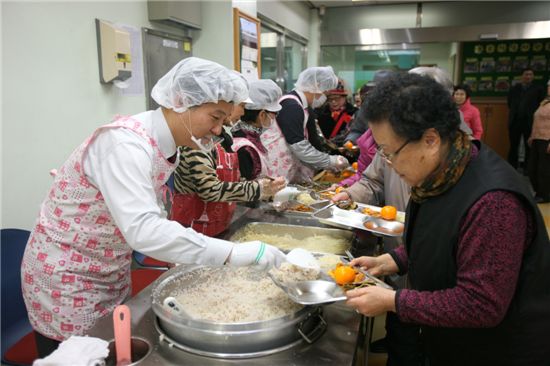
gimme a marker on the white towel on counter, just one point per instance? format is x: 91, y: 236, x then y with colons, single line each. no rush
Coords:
x: 77, y: 351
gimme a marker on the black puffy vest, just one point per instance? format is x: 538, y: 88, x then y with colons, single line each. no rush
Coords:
x: 431, y: 237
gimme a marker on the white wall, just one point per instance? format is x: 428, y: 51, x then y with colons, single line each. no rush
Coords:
x: 314, y: 44
x: 52, y: 98
x: 436, y: 54
x: 293, y: 15
x: 51, y: 95
x: 215, y: 40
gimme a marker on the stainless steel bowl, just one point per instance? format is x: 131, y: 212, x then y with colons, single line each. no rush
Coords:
x: 228, y: 340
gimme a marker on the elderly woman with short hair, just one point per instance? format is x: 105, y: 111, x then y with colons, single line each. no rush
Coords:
x: 476, y: 249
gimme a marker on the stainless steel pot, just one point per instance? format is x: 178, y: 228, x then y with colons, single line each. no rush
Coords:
x: 228, y: 340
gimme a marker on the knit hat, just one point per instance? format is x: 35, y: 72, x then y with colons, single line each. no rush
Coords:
x: 339, y: 90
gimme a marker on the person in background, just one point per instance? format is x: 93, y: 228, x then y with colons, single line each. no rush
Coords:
x: 292, y: 143
x: 336, y: 115
x: 208, y: 184
x: 476, y: 249
x: 359, y: 126
x: 523, y: 100
x: 461, y: 95
x: 539, y: 161
x: 367, y: 151
x: 357, y: 99
x: 105, y: 202
x: 259, y: 115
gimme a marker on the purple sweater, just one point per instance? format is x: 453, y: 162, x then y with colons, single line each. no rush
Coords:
x: 493, y: 236
x: 367, y: 149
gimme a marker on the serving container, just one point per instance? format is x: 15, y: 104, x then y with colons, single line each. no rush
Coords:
x: 228, y: 340
x: 354, y: 219
x: 297, y: 232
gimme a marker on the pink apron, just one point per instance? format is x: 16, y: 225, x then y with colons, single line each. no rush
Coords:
x: 240, y: 142
x: 76, y: 266
x: 281, y: 160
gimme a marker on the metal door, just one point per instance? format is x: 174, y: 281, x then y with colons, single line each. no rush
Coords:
x: 161, y: 52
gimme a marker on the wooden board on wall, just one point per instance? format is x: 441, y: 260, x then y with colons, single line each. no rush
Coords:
x: 494, y: 117
x: 247, y: 48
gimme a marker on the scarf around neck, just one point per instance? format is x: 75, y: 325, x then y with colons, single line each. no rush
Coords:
x: 252, y: 133
x: 448, y: 173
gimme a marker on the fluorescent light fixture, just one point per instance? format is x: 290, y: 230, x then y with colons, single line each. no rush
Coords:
x: 370, y: 36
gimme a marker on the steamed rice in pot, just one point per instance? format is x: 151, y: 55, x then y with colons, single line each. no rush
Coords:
x: 238, y: 295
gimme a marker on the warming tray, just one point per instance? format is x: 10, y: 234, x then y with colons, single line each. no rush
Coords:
x: 297, y: 237
x: 354, y: 219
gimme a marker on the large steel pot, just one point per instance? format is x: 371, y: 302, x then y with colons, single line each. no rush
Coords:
x: 228, y: 340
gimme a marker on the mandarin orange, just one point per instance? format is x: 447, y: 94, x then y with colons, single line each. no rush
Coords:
x: 343, y: 275
x: 388, y: 212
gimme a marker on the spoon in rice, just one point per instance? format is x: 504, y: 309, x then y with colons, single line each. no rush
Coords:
x: 303, y: 258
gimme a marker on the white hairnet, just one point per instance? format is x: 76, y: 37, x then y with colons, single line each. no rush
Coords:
x: 195, y: 81
x: 265, y: 94
x: 317, y: 79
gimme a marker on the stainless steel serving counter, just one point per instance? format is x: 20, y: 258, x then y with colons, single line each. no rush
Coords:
x: 343, y: 343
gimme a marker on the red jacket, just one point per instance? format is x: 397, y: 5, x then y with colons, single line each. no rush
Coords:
x: 472, y: 118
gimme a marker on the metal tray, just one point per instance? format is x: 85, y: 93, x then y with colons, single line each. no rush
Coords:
x: 312, y: 292
x: 352, y: 219
x: 296, y: 232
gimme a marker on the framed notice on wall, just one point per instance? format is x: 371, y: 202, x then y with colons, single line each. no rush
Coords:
x: 246, y: 36
x: 491, y: 68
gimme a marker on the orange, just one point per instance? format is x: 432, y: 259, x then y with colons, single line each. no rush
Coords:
x: 343, y: 275
x: 346, y: 174
x: 339, y: 189
x: 355, y: 166
x: 388, y: 212
x: 348, y: 145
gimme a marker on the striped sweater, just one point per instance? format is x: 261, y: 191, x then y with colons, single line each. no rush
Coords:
x: 196, y: 173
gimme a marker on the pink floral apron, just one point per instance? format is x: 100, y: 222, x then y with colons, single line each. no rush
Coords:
x: 240, y: 142
x: 76, y: 266
x: 281, y: 160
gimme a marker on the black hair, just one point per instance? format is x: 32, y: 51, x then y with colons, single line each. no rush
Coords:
x: 412, y: 104
x: 250, y: 115
x: 466, y: 89
x: 527, y: 69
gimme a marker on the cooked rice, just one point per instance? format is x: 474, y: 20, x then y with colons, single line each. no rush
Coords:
x: 305, y: 198
x: 288, y: 272
x: 314, y: 243
x: 238, y: 295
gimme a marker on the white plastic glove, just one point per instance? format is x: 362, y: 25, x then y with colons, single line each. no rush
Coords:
x: 268, y: 187
x: 256, y: 253
x: 338, y: 162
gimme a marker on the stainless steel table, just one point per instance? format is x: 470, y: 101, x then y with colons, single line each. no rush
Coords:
x: 343, y: 343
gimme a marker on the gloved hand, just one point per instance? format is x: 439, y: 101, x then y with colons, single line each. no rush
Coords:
x: 268, y: 187
x: 338, y: 162
x: 256, y: 253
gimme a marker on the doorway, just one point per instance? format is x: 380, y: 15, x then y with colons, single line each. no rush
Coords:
x: 161, y: 52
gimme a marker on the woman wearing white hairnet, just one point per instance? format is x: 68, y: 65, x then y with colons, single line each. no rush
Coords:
x: 105, y: 202
x: 257, y: 118
x: 292, y: 143
x: 208, y: 185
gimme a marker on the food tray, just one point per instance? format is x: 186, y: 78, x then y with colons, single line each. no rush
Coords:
x: 353, y: 219
x: 312, y: 292
x: 299, y: 235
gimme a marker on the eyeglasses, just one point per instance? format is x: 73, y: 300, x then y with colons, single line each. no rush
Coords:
x: 391, y: 156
